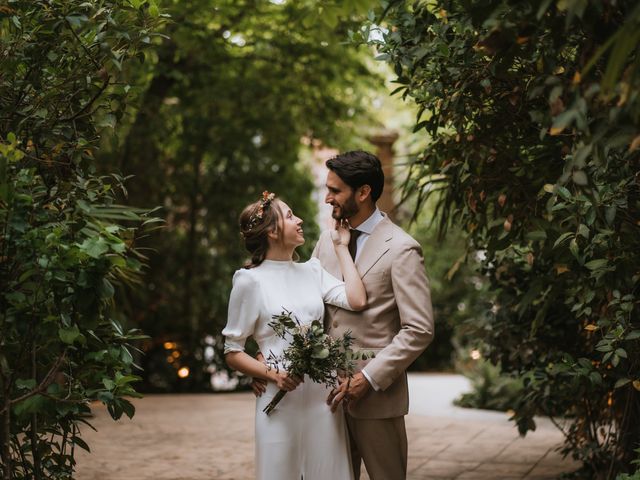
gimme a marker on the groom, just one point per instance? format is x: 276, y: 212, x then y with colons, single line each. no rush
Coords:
x: 397, y: 325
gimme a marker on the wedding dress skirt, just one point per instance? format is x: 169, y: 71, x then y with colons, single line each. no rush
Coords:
x: 301, y: 438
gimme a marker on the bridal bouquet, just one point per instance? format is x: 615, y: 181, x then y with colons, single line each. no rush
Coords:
x: 312, y: 352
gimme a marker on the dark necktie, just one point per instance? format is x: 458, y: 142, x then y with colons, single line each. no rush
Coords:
x: 353, y: 245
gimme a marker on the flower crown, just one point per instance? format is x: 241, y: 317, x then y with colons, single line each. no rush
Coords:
x: 255, y: 218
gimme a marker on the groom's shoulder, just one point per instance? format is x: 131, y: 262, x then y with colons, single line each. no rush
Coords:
x: 401, y: 239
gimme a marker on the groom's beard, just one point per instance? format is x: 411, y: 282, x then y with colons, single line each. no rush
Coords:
x: 346, y: 210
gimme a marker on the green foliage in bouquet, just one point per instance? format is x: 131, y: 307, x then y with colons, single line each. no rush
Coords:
x: 312, y: 352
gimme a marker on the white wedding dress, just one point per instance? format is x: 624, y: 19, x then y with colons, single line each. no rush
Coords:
x: 301, y: 438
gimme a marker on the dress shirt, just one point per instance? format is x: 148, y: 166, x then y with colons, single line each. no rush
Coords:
x: 366, y: 229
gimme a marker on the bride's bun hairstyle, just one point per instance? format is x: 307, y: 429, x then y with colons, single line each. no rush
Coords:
x: 257, y: 221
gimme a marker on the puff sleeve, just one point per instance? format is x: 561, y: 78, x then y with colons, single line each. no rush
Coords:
x: 244, y: 310
x: 333, y: 290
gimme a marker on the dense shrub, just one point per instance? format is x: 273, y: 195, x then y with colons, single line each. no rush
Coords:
x: 533, y: 114
x: 66, y: 246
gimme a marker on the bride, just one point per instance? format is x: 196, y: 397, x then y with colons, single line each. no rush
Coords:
x: 301, y: 438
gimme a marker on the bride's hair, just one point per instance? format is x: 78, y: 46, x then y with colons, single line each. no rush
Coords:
x: 257, y: 220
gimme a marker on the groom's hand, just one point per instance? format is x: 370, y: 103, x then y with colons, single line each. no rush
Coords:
x: 259, y: 386
x: 350, y: 390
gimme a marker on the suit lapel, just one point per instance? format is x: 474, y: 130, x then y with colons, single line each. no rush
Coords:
x: 375, y: 247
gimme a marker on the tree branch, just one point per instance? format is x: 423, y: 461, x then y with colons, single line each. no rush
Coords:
x: 46, y: 381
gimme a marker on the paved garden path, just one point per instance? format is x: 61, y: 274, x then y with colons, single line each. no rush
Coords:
x: 210, y: 437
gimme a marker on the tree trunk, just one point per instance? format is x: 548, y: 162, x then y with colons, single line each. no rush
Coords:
x: 192, y: 248
x: 138, y: 153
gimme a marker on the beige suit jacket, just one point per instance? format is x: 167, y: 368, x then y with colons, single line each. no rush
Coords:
x: 398, y: 323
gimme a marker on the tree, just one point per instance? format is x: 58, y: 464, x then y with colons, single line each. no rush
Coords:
x: 533, y: 114
x: 66, y: 245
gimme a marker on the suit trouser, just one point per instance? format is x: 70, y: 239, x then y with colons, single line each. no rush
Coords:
x: 381, y: 443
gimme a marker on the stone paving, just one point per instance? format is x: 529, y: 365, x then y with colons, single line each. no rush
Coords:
x: 210, y: 437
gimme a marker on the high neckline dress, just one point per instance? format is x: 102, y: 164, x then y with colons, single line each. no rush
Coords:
x: 301, y: 438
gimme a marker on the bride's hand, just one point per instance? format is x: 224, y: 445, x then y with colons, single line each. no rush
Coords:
x: 341, y: 234
x: 284, y: 381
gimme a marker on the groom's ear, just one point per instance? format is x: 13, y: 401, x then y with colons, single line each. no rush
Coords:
x: 363, y: 193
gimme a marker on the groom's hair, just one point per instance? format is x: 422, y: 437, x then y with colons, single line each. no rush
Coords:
x: 358, y: 168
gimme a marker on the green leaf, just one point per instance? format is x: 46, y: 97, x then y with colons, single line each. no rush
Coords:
x: 125, y: 356
x: 635, y: 334
x: 107, y: 121
x: 563, y: 238
x: 81, y: 443
x: 575, y: 250
x: 536, y: 235
x: 562, y: 121
x: 610, y: 214
x: 28, y: 384
x: 122, y: 380
x: 154, y: 11
x: 583, y: 231
x: 77, y: 20
x: 127, y: 407
x: 581, y: 155
x: 585, y: 363
x: 622, y: 382
x: 95, y: 246
x: 106, y: 289
x: 321, y: 354
x: 563, y: 192
x: 597, y: 264
x: 621, y: 50
x: 69, y: 334
x: 34, y: 404
x: 579, y: 177
x: 4, y: 365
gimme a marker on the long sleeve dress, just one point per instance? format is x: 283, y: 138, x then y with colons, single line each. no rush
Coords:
x: 301, y: 438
